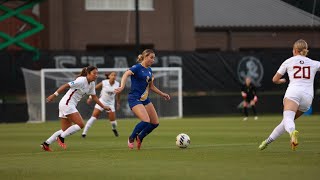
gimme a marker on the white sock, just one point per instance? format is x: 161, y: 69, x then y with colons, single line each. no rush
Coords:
x: 114, y: 124
x: 88, y: 124
x: 278, y: 131
x: 53, y: 137
x: 71, y: 130
x: 288, y: 121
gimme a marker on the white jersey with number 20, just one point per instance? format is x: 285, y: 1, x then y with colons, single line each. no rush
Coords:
x: 301, y: 71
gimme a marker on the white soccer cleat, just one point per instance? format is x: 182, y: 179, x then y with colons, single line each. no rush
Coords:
x: 245, y: 118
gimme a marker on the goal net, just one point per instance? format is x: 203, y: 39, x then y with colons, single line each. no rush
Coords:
x: 40, y: 84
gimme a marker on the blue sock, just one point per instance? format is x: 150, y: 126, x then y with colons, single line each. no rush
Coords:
x: 147, y: 130
x: 139, y: 127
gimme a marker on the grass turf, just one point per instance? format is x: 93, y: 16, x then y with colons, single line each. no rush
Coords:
x: 221, y: 148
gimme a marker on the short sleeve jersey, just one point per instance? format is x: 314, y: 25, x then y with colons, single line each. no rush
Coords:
x: 107, y: 93
x: 78, y: 88
x: 140, y: 80
x: 301, y: 71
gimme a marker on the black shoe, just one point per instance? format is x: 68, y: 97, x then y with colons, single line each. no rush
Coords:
x: 83, y: 135
x: 115, y: 132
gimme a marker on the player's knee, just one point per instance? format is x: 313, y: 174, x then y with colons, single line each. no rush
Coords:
x: 81, y: 125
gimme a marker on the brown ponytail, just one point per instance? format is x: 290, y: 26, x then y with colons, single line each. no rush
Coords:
x: 86, y: 70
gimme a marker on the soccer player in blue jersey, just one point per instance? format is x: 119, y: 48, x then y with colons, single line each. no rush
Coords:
x: 139, y: 102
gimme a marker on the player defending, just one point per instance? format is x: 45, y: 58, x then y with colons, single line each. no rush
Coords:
x: 83, y: 85
x: 107, y: 98
x: 249, y: 95
x: 299, y: 95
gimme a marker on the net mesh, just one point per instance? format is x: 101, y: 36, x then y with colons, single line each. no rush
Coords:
x: 166, y: 79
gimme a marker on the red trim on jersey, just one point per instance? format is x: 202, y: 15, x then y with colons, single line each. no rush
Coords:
x: 71, y: 96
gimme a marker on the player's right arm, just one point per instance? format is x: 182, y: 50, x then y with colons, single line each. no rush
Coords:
x: 277, y: 79
x: 123, y: 81
x: 58, y: 91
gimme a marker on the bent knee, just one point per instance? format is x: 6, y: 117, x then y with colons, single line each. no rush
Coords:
x: 81, y: 125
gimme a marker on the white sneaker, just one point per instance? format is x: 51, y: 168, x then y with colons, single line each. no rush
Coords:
x: 256, y: 118
x: 245, y: 118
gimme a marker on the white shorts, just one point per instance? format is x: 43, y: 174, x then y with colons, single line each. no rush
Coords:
x: 106, y: 104
x: 303, y: 100
x: 65, y: 110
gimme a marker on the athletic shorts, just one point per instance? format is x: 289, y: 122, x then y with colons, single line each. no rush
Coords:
x: 105, y: 104
x: 65, y: 110
x: 248, y: 100
x: 133, y: 102
x: 303, y: 100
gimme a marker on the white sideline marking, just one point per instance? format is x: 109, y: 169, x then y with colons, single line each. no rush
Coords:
x: 41, y: 152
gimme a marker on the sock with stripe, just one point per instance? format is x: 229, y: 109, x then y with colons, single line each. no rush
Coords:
x: 278, y: 131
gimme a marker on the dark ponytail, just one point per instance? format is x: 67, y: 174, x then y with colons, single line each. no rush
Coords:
x: 86, y: 70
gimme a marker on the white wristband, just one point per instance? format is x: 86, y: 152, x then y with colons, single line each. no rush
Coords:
x: 56, y: 93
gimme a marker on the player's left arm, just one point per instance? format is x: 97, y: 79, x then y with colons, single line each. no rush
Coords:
x: 118, y: 101
x: 254, y: 90
x: 96, y: 99
x: 156, y: 90
x: 99, y: 86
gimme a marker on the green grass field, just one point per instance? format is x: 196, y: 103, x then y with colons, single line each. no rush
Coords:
x: 221, y: 148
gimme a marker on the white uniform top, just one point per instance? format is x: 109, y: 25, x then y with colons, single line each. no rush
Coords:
x: 78, y: 88
x: 301, y: 71
x: 107, y: 93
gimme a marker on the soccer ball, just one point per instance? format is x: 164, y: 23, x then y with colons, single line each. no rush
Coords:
x: 182, y: 140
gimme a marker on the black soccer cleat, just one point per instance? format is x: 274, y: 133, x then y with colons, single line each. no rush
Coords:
x: 115, y: 132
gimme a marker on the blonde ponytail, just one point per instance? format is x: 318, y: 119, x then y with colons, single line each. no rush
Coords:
x: 301, y: 46
x: 144, y: 54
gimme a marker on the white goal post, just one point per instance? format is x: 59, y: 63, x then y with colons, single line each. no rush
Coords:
x: 167, y: 79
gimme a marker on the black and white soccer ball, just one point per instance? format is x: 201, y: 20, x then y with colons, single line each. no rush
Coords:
x: 182, y: 140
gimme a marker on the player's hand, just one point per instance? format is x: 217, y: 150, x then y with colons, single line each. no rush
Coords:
x: 107, y: 108
x: 118, y: 90
x: 282, y: 81
x: 244, y: 95
x: 166, y: 96
x: 255, y: 99
x: 89, y: 100
x: 50, y: 98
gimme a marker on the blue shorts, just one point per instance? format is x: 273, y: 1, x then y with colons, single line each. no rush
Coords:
x: 133, y: 102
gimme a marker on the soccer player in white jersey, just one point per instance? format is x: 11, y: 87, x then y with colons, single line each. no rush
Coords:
x: 68, y: 113
x: 107, y: 98
x: 299, y: 95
